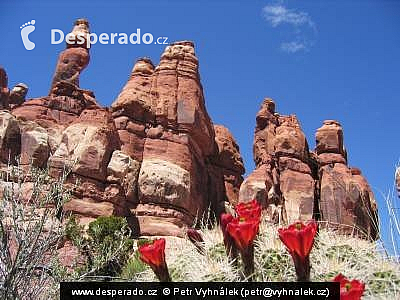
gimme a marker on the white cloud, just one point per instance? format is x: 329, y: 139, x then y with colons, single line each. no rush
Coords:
x: 293, y: 47
x: 304, y: 29
x: 277, y: 14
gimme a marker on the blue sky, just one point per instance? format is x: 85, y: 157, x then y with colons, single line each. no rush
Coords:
x: 317, y: 59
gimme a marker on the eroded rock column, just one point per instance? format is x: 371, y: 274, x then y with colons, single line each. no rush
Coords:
x: 163, y: 125
x: 346, y: 200
x: 283, y: 180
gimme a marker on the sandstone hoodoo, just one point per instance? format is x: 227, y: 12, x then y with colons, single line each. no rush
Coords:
x: 156, y: 158
x: 294, y: 183
x: 164, y: 128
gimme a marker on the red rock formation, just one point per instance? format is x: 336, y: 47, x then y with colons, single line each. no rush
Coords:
x: 283, y: 181
x: 11, y: 98
x: 293, y: 183
x: 346, y: 200
x: 156, y: 158
x: 163, y: 126
x: 68, y: 128
x: 10, y: 137
x: 72, y: 60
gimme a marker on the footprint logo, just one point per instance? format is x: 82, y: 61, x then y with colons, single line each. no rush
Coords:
x: 26, y: 29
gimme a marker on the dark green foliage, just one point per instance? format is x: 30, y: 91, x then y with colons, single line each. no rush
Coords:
x: 105, y: 228
x: 109, y: 245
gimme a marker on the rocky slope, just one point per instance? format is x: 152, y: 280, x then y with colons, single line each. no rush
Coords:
x: 156, y: 158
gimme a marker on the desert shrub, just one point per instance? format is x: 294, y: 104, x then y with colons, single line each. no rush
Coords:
x: 106, y: 247
x: 30, y: 231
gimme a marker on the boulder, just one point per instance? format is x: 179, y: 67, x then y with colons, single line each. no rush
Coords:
x: 35, y: 147
x: 124, y: 171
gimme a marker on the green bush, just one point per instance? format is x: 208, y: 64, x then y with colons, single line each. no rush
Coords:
x: 109, y: 245
x: 106, y: 247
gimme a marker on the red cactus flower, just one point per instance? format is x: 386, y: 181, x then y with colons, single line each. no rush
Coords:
x: 196, y: 238
x: 243, y: 231
x: 350, y: 290
x: 299, y: 240
x: 249, y: 210
x: 153, y: 254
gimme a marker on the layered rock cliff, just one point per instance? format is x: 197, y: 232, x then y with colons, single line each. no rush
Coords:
x: 156, y: 158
